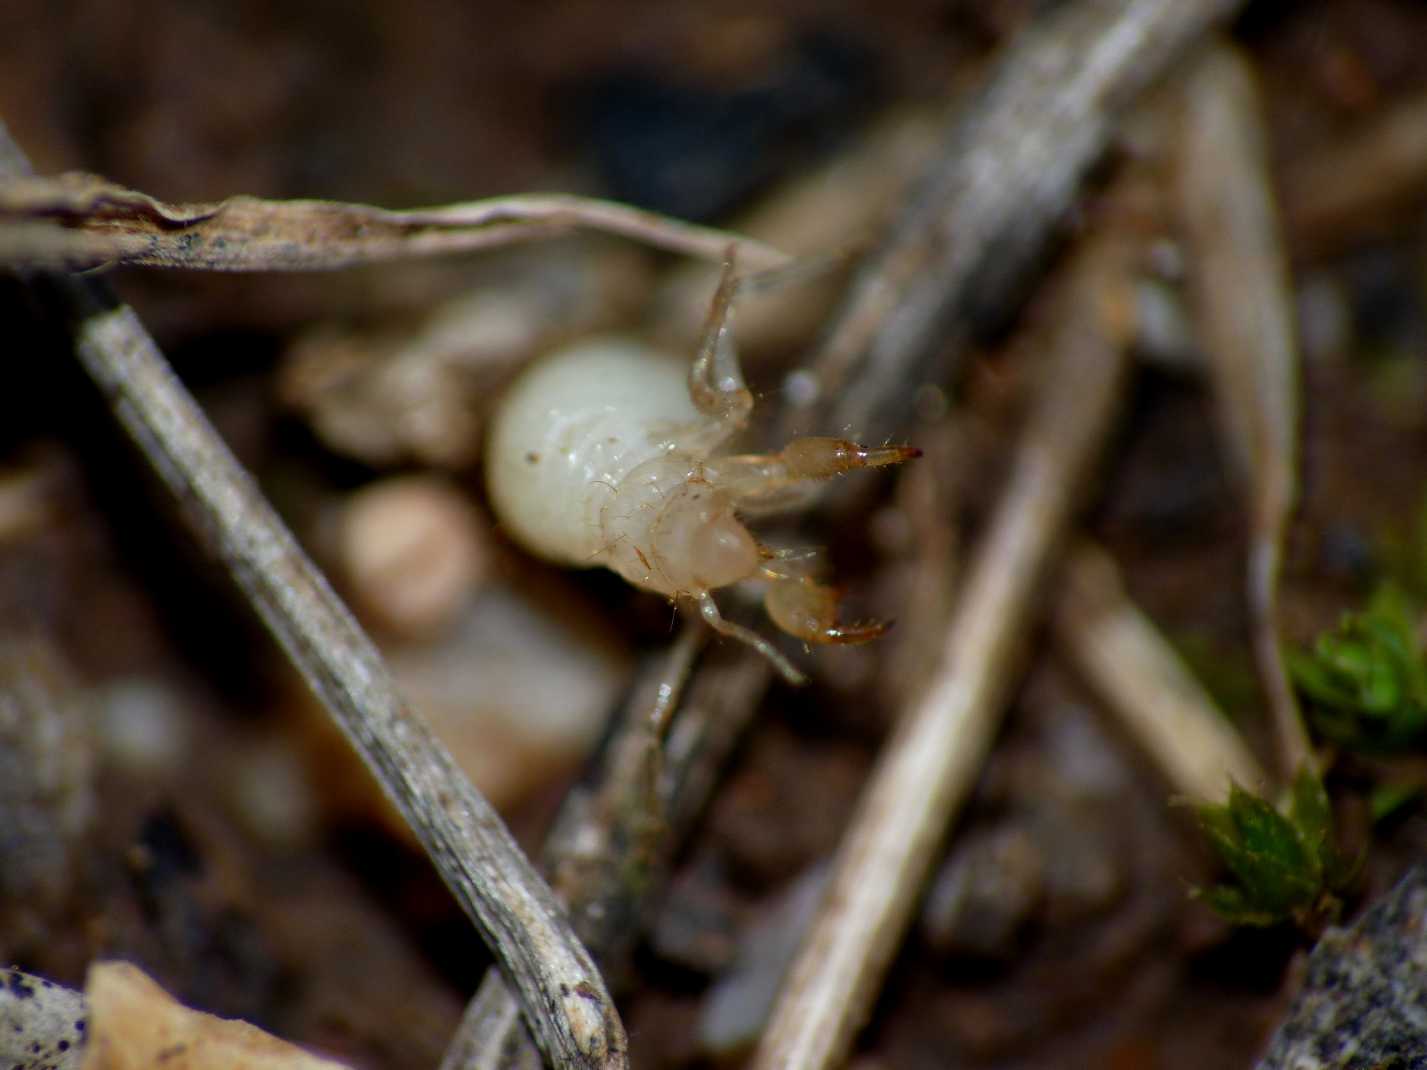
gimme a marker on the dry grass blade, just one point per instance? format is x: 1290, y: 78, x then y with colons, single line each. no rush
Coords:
x: 560, y: 986
x: 929, y: 766
x: 562, y: 992
x: 1244, y: 309
x: 1162, y: 706
x: 975, y: 227
x: 79, y: 221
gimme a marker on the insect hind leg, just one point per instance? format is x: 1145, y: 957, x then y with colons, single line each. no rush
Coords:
x: 708, y: 609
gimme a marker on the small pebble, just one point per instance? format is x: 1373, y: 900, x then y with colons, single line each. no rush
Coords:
x: 273, y: 796
x: 412, y: 551
x: 517, y: 691
x: 141, y: 726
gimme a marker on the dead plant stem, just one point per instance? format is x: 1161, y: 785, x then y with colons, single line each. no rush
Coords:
x: 563, y: 996
x: 932, y: 761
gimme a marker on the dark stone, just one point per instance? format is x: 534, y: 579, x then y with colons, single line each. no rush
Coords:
x: 1364, y: 1001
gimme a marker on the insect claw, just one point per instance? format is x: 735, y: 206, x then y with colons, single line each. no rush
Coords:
x: 857, y: 633
x: 878, y: 456
x: 807, y: 609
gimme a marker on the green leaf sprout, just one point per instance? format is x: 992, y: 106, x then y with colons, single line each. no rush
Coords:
x: 1285, y: 865
x: 1366, y: 681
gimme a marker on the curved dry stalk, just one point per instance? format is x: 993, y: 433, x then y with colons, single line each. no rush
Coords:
x: 928, y: 768
x: 975, y: 227
x: 1157, y: 699
x: 564, y: 997
x: 79, y: 221
x: 1239, y: 280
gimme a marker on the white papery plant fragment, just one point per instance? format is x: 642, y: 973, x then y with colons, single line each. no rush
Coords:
x: 135, y: 1025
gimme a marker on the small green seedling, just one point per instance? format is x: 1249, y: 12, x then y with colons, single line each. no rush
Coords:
x: 1286, y: 866
x: 1366, y: 681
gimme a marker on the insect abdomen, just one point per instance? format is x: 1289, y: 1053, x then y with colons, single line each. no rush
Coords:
x: 567, y: 434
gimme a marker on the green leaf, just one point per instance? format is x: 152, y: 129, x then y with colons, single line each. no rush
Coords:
x: 1365, y: 682
x: 1311, y: 813
x: 1233, y: 906
x: 1284, y: 864
x: 1275, y: 842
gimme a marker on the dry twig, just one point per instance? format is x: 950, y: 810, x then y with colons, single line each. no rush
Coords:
x: 1161, y: 704
x: 931, y: 763
x: 610, y: 849
x: 974, y: 229
x: 1244, y: 309
x: 563, y: 995
x: 78, y: 221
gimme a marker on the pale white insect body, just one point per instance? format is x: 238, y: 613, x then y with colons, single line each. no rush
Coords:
x: 583, y: 447
x: 604, y: 454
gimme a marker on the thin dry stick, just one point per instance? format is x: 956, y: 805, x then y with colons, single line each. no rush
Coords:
x: 610, y: 853
x: 563, y: 995
x: 1244, y: 310
x: 932, y: 761
x: 974, y: 229
x: 489, y: 1034
x: 78, y: 221
x: 1161, y: 704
